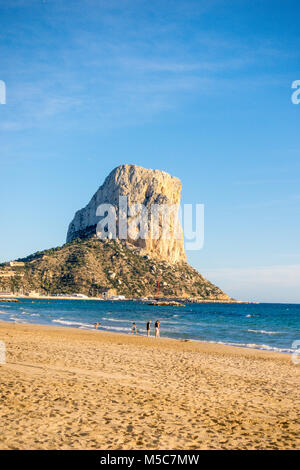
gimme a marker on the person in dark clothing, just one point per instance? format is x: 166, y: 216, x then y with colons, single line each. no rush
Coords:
x: 148, y: 327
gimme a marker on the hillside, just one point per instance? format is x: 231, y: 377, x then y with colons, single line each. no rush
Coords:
x: 92, y: 266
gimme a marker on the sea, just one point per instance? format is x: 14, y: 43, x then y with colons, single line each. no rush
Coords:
x: 273, y: 327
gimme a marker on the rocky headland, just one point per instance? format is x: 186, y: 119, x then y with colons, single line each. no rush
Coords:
x: 130, y: 267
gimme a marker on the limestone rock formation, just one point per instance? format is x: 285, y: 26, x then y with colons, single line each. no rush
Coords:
x: 151, y: 188
x: 130, y: 266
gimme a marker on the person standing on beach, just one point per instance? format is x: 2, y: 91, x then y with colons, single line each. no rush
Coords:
x: 148, y: 327
x: 157, y: 323
x: 134, y: 329
x: 97, y: 324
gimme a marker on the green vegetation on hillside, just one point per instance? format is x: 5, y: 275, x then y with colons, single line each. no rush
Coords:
x: 93, y: 266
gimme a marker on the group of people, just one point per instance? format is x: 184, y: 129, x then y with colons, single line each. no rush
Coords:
x: 134, y: 328
x: 148, y: 327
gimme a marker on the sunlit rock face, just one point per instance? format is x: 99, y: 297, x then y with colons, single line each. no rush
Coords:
x: 152, y: 189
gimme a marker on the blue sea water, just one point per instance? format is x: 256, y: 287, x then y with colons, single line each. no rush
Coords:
x: 262, y: 326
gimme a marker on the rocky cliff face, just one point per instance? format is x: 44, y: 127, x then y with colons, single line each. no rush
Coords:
x: 131, y: 267
x: 151, y: 188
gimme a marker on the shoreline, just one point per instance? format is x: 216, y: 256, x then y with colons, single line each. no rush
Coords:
x: 66, y: 388
x: 130, y: 299
x: 144, y: 336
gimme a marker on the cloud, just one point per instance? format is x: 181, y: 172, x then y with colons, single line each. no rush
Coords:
x: 114, y: 65
x: 279, y: 283
x: 255, y: 182
x: 286, y: 201
x: 32, y: 104
x: 180, y: 67
x: 288, y: 275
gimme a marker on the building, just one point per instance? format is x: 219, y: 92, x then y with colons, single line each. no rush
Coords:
x: 10, y: 274
x: 7, y: 273
x: 6, y: 293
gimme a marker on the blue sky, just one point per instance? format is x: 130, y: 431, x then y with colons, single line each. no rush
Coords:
x: 201, y: 89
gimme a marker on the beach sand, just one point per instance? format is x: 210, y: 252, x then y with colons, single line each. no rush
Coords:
x: 64, y: 388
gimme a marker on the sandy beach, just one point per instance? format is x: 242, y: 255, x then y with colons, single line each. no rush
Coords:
x: 64, y: 388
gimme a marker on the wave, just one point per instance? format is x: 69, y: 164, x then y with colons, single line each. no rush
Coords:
x: 115, y: 328
x: 30, y: 314
x: 263, y: 347
x: 89, y: 325
x: 138, y: 322
x: 75, y: 323
x: 264, y: 332
x: 250, y: 316
x: 115, y: 320
x: 16, y: 319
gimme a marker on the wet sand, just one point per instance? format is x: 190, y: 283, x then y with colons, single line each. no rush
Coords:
x: 64, y: 388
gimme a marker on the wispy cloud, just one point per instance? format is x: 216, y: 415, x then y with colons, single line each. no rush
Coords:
x: 269, y: 283
x: 287, y: 201
x: 258, y: 182
x: 114, y: 66
x: 179, y: 67
x: 284, y: 276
